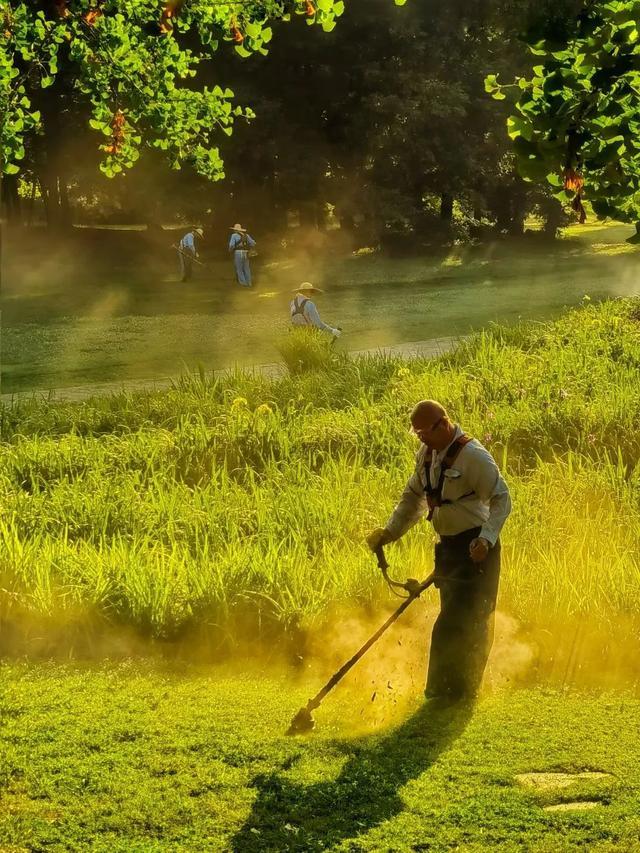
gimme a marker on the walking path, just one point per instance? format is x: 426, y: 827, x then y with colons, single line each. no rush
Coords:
x: 273, y: 370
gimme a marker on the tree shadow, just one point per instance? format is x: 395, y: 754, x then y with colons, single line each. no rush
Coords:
x: 288, y: 816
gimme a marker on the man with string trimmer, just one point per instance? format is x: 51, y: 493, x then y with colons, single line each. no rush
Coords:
x: 457, y: 485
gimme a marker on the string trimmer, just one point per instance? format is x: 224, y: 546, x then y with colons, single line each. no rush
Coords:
x: 187, y: 255
x: 303, y: 721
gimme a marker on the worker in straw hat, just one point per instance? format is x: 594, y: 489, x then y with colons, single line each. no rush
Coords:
x: 239, y: 244
x: 304, y: 311
x: 187, y: 251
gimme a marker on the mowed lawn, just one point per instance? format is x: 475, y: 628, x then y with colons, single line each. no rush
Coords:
x: 65, y: 326
x: 136, y: 757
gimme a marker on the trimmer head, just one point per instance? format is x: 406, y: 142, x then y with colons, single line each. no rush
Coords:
x: 302, y: 723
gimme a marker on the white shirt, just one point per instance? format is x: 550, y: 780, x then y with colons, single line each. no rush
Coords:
x: 474, y: 470
x: 188, y: 242
x: 309, y: 316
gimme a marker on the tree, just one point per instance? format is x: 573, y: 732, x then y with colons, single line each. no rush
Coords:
x: 128, y: 69
x: 395, y: 127
x: 576, y: 124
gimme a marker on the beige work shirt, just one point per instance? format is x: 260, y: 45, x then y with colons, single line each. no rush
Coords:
x: 474, y: 470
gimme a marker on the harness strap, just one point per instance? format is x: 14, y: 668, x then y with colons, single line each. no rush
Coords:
x: 242, y: 245
x: 298, y: 307
x: 434, y: 493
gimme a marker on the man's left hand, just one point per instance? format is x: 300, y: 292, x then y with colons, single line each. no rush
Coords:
x: 479, y: 549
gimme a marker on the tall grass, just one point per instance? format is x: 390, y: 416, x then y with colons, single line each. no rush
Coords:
x: 244, y: 502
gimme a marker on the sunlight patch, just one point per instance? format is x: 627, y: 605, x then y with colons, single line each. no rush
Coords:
x: 544, y: 781
x: 580, y: 806
x: 613, y: 248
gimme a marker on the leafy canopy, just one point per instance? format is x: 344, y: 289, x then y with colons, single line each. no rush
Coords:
x: 133, y: 62
x: 576, y: 121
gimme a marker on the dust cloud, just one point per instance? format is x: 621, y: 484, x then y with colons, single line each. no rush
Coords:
x: 387, y: 680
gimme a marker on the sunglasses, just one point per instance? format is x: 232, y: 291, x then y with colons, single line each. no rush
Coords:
x: 427, y: 430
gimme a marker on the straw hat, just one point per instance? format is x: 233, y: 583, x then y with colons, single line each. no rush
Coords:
x: 199, y: 232
x: 238, y: 227
x: 307, y: 287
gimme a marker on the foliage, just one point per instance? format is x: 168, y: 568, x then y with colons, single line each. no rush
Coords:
x: 133, y: 64
x: 392, y: 132
x: 245, y: 502
x: 305, y: 349
x: 376, y: 120
x: 577, y: 118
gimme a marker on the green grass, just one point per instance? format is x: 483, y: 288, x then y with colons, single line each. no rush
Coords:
x: 140, y: 758
x: 229, y: 509
x: 65, y: 327
x: 224, y: 518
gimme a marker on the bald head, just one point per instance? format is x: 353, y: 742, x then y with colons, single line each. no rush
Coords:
x: 430, y: 422
x: 427, y: 409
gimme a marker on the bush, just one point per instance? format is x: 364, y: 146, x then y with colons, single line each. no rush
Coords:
x: 305, y: 349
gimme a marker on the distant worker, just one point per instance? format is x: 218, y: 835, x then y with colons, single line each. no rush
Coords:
x: 457, y: 485
x: 304, y: 311
x: 239, y: 245
x: 188, y: 252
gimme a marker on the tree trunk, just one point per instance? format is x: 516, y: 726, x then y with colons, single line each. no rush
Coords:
x: 347, y: 221
x: 55, y: 199
x: 308, y: 214
x: 63, y: 198
x: 32, y: 200
x: 446, y: 207
x: 518, y: 215
x: 11, y: 199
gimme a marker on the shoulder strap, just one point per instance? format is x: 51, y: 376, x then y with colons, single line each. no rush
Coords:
x: 298, y: 307
x: 434, y: 493
x: 454, y: 449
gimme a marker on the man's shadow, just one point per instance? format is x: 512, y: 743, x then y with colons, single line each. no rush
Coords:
x: 288, y: 816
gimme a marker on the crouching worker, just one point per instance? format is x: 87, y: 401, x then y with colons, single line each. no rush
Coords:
x: 304, y: 311
x: 457, y: 485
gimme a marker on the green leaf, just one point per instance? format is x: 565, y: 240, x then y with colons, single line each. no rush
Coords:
x: 490, y: 83
x: 518, y: 126
x: 252, y: 30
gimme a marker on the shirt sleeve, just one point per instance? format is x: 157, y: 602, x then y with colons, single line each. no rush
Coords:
x: 232, y: 241
x: 486, y: 481
x: 250, y: 241
x: 311, y: 313
x: 412, y: 505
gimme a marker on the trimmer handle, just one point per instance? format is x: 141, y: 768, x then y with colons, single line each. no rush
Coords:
x: 382, y: 560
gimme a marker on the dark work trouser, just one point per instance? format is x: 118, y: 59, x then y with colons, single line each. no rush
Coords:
x: 186, y: 264
x: 463, y: 632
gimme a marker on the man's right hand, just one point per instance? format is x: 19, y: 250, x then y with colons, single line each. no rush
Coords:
x: 377, y: 537
x: 336, y: 333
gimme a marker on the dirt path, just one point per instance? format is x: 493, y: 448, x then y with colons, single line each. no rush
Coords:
x: 274, y: 370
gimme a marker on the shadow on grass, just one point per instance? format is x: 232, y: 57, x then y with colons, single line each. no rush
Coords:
x: 288, y: 816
